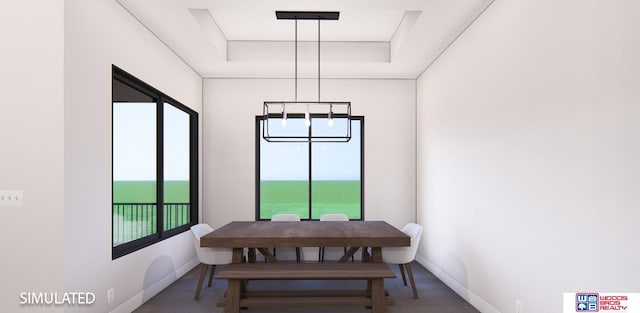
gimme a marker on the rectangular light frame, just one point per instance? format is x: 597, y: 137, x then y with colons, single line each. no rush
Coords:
x: 273, y: 110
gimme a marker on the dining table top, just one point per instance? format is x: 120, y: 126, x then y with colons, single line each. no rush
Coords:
x: 306, y: 234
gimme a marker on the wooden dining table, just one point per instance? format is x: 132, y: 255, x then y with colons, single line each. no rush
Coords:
x: 262, y: 234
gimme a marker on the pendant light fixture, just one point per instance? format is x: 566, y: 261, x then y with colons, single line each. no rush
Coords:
x: 278, y: 114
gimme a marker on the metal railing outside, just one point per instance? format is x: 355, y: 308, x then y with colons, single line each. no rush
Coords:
x: 133, y: 221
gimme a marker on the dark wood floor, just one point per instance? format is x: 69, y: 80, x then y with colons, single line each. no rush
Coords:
x: 435, y: 297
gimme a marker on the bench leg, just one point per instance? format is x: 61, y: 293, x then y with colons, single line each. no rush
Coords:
x: 377, y: 296
x: 232, y: 304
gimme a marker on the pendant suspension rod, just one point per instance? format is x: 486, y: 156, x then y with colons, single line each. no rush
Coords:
x: 318, y: 60
x: 296, y: 61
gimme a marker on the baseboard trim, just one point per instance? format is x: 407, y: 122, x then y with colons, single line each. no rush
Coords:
x: 136, y: 301
x: 464, y: 292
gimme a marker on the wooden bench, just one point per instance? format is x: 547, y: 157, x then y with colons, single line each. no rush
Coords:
x: 237, y: 296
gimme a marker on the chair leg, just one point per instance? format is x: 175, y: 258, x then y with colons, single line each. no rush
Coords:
x: 413, y: 283
x: 213, y: 270
x: 203, y: 271
x: 404, y: 279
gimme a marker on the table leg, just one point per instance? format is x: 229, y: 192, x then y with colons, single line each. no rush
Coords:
x: 232, y: 304
x: 252, y: 255
x: 376, y: 286
x: 243, y: 290
x: 348, y: 255
x: 237, y: 255
x: 377, y: 296
x: 376, y: 255
x: 365, y: 254
x: 268, y: 255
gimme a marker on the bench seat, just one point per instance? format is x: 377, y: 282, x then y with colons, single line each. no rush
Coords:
x: 308, y: 271
x: 373, y: 273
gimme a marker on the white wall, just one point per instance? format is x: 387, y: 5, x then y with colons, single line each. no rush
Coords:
x: 31, y: 150
x: 229, y: 110
x: 98, y: 34
x: 528, y: 154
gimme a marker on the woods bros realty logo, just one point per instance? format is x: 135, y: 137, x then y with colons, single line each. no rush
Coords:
x: 601, y: 302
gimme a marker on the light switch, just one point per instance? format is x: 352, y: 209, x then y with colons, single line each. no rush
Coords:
x: 11, y: 198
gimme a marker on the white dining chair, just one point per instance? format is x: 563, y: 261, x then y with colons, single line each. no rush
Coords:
x: 403, y: 256
x: 332, y: 217
x: 209, y: 257
x: 286, y: 217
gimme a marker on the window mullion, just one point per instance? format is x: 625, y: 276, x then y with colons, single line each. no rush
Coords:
x: 160, y: 167
x: 310, y: 173
x: 193, y: 167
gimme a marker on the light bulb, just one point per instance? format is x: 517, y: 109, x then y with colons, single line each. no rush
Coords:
x: 307, y: 120
x: 330, y: 122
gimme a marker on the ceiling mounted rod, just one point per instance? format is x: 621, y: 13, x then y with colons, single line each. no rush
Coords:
x: 308, y: 15
x: 296, y: 62
x: 306, y: 109
x: 318, y: 60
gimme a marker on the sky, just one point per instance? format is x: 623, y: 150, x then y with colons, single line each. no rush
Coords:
x: 134, y: 142
x: 331, y: 161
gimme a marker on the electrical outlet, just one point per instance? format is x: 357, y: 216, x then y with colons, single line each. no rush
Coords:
x: 110, y: 295
x: 519, y: 306
x: 11, y: 198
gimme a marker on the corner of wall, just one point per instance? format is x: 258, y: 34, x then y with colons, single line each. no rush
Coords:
x: 143, y: 296
x: 464, y: 292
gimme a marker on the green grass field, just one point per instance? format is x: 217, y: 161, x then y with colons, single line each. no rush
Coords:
x: 331, y: 196
x: 132, y: 191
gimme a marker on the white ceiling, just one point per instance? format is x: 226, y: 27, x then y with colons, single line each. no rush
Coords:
x: 243, y: 38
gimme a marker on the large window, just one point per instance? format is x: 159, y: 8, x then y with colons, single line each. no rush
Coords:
x: 155, y: 165
x: 309, y: 178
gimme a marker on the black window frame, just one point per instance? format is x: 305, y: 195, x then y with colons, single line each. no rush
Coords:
x: 258, y: 136
x: 161, y: 98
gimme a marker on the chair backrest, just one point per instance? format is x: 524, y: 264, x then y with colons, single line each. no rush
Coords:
x: 415, y: 232
x: 334, y: 217
x: 287, y: 254
x: 209, y: 255
x: 403, y: 255
x: 285, y: 217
